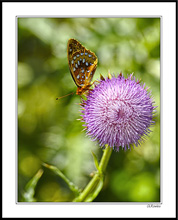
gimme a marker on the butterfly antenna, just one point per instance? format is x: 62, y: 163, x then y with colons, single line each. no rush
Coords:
x: 64, y: 96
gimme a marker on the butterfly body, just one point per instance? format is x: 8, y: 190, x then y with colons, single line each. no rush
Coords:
x: 82, y: 64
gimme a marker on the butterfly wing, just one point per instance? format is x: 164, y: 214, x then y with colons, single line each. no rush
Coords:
x: 82, y: 63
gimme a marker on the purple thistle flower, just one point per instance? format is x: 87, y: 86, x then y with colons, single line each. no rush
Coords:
x: 118, y: 112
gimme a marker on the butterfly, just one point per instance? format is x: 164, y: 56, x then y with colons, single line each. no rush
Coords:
x: 82, y: 65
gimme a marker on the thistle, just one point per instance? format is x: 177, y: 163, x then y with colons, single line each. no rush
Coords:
x: 118, y: 112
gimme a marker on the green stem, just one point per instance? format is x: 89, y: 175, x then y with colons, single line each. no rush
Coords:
x: 105, y: 159
x: 95, y: 185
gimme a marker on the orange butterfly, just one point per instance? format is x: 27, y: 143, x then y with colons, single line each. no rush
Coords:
x: 82, y: 65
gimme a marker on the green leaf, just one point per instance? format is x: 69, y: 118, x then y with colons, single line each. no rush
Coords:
x: 96, y: 161
x: 28, y: 195
x: 71, y: 185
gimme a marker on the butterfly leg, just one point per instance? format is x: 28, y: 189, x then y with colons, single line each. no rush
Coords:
x: 95, y: 82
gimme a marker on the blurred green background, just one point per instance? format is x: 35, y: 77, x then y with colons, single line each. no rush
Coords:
x: 48, y: 130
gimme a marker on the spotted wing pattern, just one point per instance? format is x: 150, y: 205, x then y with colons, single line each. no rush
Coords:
x: 82, y: 64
